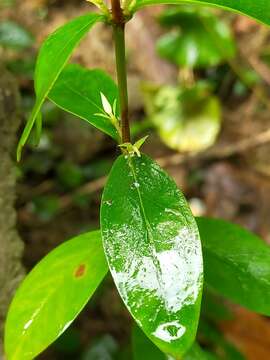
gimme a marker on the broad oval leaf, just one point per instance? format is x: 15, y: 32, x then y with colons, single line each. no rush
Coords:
x: 153, y: 249
x: 237, y: 264
x: 53, y: 294
x: 78, y: 90
x: 53, y: 55
x: 259, y: 9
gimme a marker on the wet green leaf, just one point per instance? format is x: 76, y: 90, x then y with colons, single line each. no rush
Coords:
x: 153, y: 249
x: 259, y: 9
x: 199, y: 39
x: 14, y: 36
x: 53, y: 55
x: 186, y: 119
x: 237, y: 264
x: 53, y: 294
x: 77, y: 90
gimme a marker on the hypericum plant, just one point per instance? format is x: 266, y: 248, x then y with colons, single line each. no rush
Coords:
x: 150, y: 238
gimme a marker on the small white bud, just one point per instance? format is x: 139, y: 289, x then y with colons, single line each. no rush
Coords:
x: 106, y: 105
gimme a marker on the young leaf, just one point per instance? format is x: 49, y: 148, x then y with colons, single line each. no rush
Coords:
x: 237, y: 264
x: 153, y: 249
x: 53, y: 294
x: 77, y: 90
x: 259, y: 9
x: 53, y: 55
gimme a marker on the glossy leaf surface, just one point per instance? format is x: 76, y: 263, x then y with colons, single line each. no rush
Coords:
x: 153, y: 249
x: 259, y: 9
x: 53, y: 294
x: 78, y: 90
x: 237, y: 264
x: 143, y: 348
x: 53, y: 55
x: 199, y: 38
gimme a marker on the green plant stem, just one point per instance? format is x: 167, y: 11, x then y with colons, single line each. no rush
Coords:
x: 120, y: 56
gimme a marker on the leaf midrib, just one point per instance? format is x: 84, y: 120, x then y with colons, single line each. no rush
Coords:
x: 148, y: 229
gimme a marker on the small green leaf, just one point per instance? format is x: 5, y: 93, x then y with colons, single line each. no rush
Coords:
x: 237, y: 264
x: 14, y: 36
x: 53, y: 294
x: 199, y: 39
x: 153, y: 249
x: 259, y: 9
x: 139, y: 143
x: 53, y: 55
x: 77, y: 90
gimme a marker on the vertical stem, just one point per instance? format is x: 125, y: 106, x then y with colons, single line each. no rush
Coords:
x: 120, y: 56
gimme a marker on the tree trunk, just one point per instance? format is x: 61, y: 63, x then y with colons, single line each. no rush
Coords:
x: 11, y: 247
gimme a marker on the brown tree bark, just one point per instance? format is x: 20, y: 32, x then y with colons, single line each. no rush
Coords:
x: 11, y: 247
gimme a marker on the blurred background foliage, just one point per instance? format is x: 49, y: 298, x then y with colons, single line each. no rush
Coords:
x: 199, y: 83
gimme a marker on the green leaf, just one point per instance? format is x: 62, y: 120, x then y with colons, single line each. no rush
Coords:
x: 199, y: 39
x: 14, y: 36
x: 77, y: 91
x: 143, y: 348
x: 53, y: 55
x: 53, y: 294
x: 186, y: 119
x: 259, y: 9
x: 237, y: 264
x: 153, y: 249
